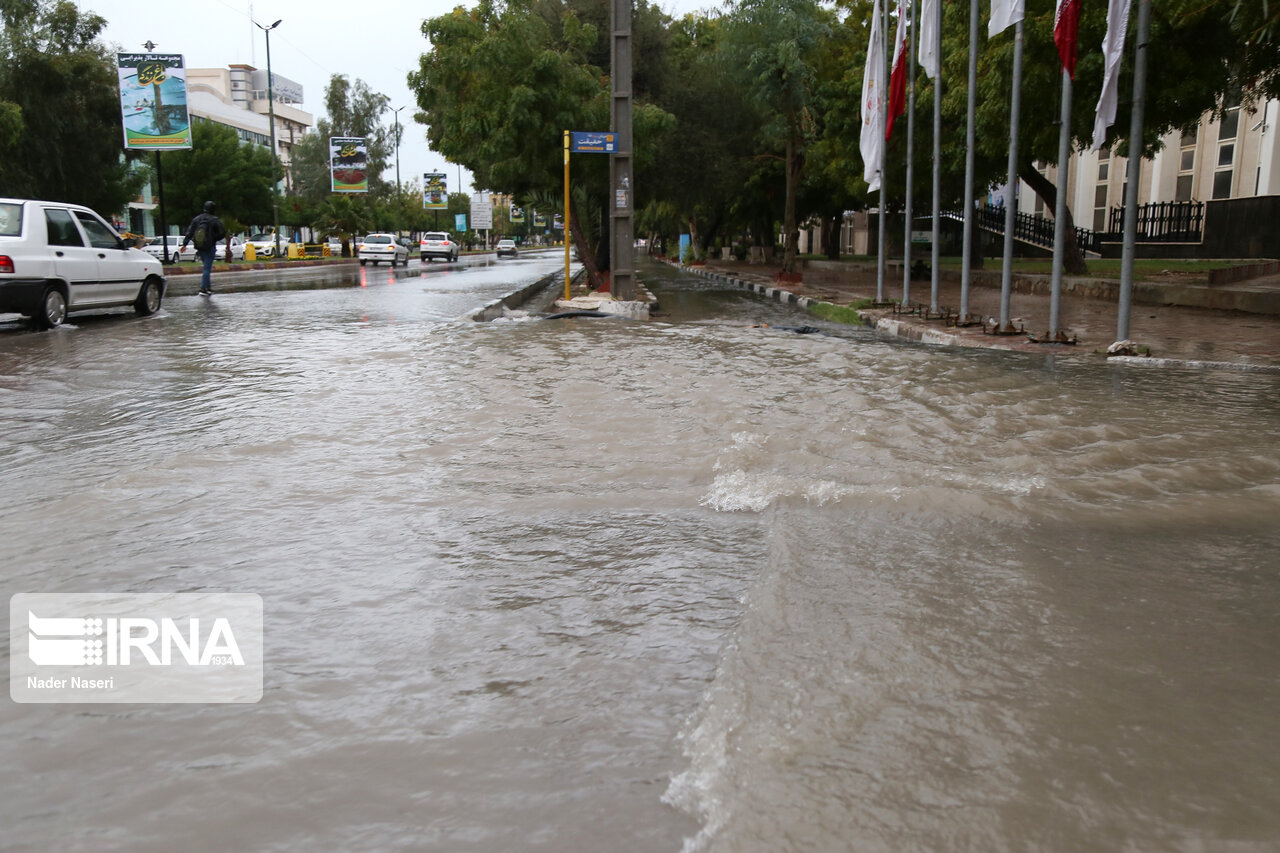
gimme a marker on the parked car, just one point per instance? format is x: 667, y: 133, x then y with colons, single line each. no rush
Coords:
x: 436, y: 244
x: 156, y: 247
x: 507, y: 247
x: 237, y: 250
x: 382, y: 247
x: 56, y: 258
x: 264, y: 244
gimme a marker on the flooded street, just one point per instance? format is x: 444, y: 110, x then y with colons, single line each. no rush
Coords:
x: 591, y: 585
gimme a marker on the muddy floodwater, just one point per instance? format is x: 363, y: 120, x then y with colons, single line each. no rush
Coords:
x: 688, y: 584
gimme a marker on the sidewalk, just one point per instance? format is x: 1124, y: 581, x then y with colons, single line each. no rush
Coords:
x: 1176, y: 331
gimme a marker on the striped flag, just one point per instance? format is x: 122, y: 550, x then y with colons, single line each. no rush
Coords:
x: 898, y: 79
x: 930, y: 39
x: 1066, y: 29
x: 871, y: 143
x: 1004, y: 14
x: 1112, y: 54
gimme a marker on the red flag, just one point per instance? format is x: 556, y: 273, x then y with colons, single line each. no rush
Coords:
x: 898, y: 79
x: 1066, y: 29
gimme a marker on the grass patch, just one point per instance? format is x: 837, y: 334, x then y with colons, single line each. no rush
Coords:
x: 847, y: 314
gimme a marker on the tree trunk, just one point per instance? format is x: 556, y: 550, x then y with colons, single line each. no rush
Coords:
x: 693, y: 240
x: 794, y: 167
x: 1072, y: 258
x: 594, y: 281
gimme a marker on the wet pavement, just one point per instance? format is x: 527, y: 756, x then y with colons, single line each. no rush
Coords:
x: 1169, y: 331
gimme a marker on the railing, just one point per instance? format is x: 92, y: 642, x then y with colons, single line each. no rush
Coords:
x: 1037, y: 230
x: 1163, y: 222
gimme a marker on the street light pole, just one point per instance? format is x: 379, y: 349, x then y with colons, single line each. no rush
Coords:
x: 271, y: 114
x: 397, y: 113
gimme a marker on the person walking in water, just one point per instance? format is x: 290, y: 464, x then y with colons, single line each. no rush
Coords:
x: 204, y: 232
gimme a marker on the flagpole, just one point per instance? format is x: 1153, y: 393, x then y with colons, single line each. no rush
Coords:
x: 936, y: 257
x: 884, y: 129
x: 966, y: 262
x: 911, y: 58
x: 1135, y: 170
x: 1011, y: 184
x: 1060, y: 209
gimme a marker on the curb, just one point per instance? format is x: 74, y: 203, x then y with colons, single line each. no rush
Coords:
x: 498, y: 307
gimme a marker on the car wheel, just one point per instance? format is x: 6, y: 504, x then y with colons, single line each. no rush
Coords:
x: 53, y: 308
x: 362, y: 262
x: 148, y: 301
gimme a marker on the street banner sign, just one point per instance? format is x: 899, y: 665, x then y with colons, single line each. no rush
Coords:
x: 435, y: 191
x: 517, y: 214
x: 481, y: 212
x: 539, y: 220
x: 557, y: 222
x: 459, y: 222
x: 348, y: 164
x: 593, y: 142
x: 153, y: 101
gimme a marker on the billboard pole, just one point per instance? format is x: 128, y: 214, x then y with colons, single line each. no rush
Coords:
x: 565, y: 219
x: 622, y: 217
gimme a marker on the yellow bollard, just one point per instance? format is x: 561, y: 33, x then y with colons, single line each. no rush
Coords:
x: 250, y: 254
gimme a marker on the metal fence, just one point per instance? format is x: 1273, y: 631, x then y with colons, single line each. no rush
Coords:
x: 1037, y: 230
x: 1162, y: 222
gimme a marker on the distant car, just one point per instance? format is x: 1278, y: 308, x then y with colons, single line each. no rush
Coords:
x: 335, y: 246
x: 507, y: 247
x: 436, y: 244
x: 57, y: 258
x: 382, y: 247
x: 264, y: 244
x: 157, y: 245
x: 237, y: 250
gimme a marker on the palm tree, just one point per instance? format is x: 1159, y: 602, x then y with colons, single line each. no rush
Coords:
x: 345, y: 216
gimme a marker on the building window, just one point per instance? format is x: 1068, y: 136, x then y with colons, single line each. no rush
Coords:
x: 1189, y: 137
x: 1183, y: 192
x: 1188, y: 160
x: 1226, y: 155
x: 1222, y: 184
x: 1104, y: 154
x: 1104, y: 169
x: 1230, y: 124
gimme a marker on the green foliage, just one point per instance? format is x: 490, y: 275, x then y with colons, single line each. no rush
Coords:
x: 238, y: 178
x: 60, y: 128
x: 353, y: 110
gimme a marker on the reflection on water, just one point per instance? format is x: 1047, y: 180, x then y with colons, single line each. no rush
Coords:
x: 589, y: 586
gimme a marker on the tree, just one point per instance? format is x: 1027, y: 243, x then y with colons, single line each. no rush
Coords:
x: 345, y: 215
x: 776, y: 43
x: 239, y: 178
x: 60, y: 127
x: 353, y: 110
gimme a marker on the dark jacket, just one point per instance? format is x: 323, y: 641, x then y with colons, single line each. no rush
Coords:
x: 213, y: 225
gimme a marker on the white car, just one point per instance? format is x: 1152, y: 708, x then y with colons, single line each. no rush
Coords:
x: 507, y: 247
x: 264, y: 244
x: 157, y: 246
x: 57, y: 258
x: 436, y: 244
x: 382, y: 247
x: 237, y: 250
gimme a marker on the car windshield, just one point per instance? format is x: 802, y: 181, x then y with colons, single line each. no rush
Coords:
x: 10, y: 219
x: 441, y: 238
x: 377, y: 238
x: 261, y: 238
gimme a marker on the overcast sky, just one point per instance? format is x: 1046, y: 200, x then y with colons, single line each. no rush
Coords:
x: 378, y: 42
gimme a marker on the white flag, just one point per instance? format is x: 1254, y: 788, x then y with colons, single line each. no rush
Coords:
x: 930, y: 48
x: 1004, y: 14
x: 872, y: 141
x: 1112, y: 54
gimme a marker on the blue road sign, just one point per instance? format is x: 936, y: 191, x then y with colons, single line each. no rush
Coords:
x: 593, y: 142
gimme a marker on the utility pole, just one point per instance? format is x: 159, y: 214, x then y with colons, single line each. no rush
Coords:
x: 621, y: 214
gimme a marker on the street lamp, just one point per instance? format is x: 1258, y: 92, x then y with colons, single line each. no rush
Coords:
x: 397, y: 112
x: 271, y: 113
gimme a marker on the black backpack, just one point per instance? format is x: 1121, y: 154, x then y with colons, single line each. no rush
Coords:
x: 200, y: 237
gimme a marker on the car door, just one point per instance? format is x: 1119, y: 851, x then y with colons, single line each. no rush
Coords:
x: 118, y: 279
x: 74, y: 261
